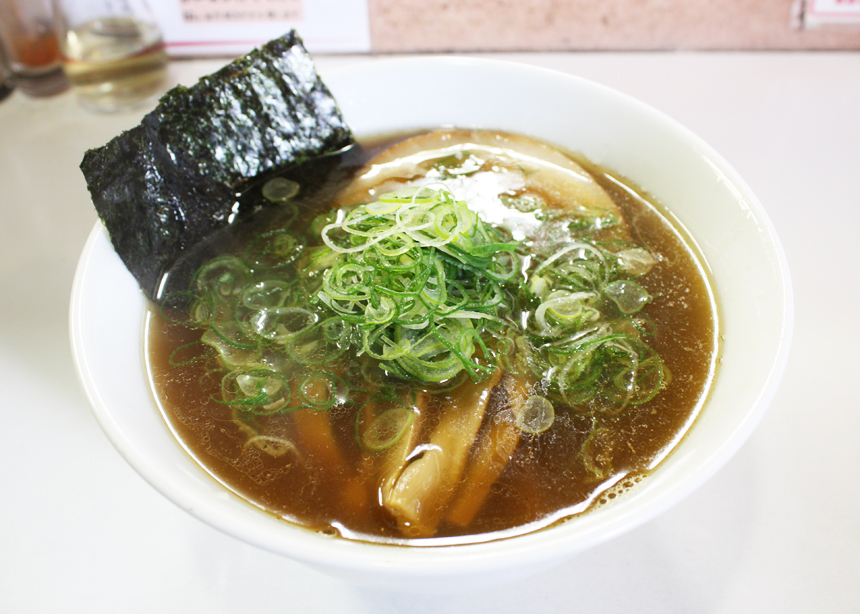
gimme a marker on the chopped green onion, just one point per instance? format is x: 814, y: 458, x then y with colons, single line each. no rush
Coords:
x: 273, y: 250
x: 386, y: 429
x: 189, y: 353
x: 318, y: 390
x: 417, y: 288
x: 536, y: 415
x: 258, y: 391
x: 628, y: 295
x: 280, y: 189
x: 597, y: 453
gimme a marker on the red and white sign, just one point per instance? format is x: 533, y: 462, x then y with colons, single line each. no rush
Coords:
x: 234, y: 27
x: 822, y: 12
x: 236, y: 11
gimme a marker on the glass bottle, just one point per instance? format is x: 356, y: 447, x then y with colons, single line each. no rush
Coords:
x: 113, y: 52
x: 7, y: 79
x: 29, y: 29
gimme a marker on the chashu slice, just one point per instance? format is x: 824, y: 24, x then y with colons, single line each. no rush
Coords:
x: 419, y: 494
x: 492, y: 451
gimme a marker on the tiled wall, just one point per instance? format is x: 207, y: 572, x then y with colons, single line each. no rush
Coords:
x: 509, y: 25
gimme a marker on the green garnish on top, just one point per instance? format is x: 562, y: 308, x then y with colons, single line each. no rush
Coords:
x: 421, y: 276
x: 416, y: 289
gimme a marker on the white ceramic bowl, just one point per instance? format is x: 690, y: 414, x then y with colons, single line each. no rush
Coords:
x: 706, y: 195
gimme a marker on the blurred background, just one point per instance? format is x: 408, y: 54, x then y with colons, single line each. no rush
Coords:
x: 382, y: 26
x: 114, y: 53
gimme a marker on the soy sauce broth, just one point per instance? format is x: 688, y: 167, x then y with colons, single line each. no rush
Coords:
x: 545, y: 480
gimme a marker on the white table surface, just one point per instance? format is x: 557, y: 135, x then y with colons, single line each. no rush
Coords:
x: 776, y: 530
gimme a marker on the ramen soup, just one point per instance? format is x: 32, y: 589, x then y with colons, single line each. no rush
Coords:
x: 464, y: 336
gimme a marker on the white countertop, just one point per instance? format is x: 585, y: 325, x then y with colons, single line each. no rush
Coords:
x: 776, y: 530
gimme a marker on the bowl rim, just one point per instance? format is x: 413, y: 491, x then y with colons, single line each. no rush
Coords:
x: 564, y: 539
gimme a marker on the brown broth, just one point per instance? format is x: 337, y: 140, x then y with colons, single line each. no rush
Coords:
x: 545, y: 480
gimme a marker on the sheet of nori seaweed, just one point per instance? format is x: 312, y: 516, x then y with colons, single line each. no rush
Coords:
x: 166, y: 184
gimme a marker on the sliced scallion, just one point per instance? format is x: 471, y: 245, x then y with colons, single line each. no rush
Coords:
x: 386, y: 429
x: 417, y: 288
x: 280, y: 189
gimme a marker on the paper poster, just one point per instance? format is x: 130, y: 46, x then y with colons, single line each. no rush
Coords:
x: 234, y: 27
x: 824, y: 12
